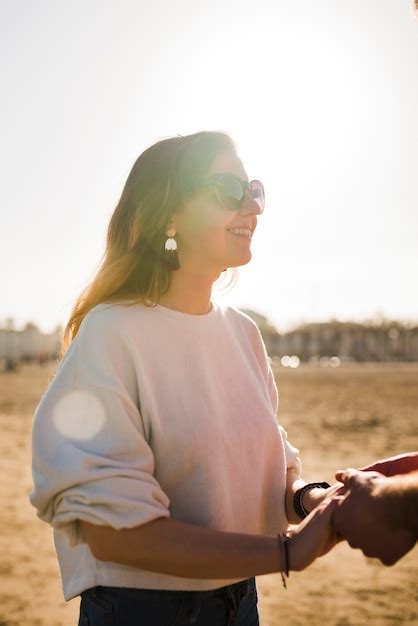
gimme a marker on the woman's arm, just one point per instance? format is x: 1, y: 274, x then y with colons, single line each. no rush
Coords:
x: 172, y: 547
x: 292, y: 484
x: 310, y: 499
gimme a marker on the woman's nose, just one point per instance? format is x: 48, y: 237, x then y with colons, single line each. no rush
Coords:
x: 250, y: 205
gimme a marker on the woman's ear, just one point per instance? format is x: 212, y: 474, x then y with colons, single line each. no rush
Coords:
x: 172, y: 225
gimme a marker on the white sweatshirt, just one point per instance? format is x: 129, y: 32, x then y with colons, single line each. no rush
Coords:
x: 158, y: 413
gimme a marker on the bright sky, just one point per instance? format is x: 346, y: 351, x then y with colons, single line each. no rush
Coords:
x: 320, y: 97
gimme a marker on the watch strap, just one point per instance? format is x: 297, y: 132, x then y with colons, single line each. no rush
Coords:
x: 298, y: 495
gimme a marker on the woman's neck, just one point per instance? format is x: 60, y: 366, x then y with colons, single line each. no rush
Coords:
x: 189, y: 293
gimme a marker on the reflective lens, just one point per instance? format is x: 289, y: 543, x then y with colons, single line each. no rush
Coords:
x: 230, y: 191
x: 257, y: 192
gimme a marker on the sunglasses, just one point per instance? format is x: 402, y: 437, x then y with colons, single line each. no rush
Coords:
x: 230, y: 190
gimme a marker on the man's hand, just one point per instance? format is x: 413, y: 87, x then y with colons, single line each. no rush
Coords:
x: 363, y: 517
x: 399, y: 464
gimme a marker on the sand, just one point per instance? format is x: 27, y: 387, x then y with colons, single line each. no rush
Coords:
x: 336, y: 417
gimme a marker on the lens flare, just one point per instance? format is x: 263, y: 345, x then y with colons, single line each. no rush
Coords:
x: 79, y: 414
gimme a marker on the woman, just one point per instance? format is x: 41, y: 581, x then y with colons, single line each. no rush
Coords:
x: 157, y: 457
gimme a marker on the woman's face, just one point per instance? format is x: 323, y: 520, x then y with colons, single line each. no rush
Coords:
x: 204, y: 230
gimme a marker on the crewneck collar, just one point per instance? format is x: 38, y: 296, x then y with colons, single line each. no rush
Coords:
x: 174, y: 314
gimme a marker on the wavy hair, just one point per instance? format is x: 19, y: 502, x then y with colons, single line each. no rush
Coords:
x: 132, y: 269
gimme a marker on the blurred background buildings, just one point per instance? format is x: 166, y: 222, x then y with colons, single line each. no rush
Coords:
x: 323, y: 343
x: 26, y: 345
x: 380, y: 340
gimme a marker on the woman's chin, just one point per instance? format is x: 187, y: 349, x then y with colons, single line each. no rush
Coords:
x: 243, y: 260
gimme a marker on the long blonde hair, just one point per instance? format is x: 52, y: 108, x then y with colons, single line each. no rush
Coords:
x: 132, y: 268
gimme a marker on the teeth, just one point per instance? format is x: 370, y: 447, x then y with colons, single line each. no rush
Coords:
x: 241, y: 231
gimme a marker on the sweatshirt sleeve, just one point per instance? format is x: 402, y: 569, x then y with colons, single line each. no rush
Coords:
x: 293, y: 461
x: 90, y: 457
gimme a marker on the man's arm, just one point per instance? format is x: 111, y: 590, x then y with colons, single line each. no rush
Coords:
x: 399, y: 464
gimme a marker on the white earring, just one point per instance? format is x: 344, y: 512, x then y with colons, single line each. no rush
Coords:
x: 171, y: 243
x: 170, y: 254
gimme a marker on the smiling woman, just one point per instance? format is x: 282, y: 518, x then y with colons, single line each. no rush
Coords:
x: 157, y: 456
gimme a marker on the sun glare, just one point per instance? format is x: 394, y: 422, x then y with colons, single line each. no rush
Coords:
x: 79, y: 414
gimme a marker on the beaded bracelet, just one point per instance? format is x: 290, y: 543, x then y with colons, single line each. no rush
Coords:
x: 283, y: 539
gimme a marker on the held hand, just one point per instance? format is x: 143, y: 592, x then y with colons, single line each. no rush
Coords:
x: 399, y: 464
x: 363, y: 518
x: 314, y: 497
x: 314, y: 536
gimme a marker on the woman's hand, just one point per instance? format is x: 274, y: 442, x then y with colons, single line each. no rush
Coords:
x: 314, y: 536
x: 314, y: 497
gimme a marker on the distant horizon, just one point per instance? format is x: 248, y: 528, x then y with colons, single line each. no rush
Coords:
x: 378, y: 318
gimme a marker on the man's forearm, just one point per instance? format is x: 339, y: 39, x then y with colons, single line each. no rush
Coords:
x: 171, y: 547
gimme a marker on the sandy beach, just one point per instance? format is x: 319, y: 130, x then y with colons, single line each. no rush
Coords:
x: 340, y: 417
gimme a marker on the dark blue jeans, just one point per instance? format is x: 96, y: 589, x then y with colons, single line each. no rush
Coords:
x: 233, y: 605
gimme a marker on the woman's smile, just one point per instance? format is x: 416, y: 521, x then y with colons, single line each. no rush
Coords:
x: 244, y: 233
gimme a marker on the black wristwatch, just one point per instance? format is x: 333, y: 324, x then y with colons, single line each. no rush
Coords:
x: 297, y: 498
